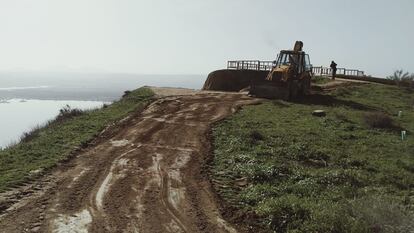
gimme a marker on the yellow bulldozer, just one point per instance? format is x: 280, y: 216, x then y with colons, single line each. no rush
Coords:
x: 289, y: 78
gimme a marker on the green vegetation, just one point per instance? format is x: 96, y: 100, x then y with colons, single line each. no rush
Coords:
x: 321, y: 80
x: 283, y: 170
x: 402, y: 78
x: 44, y: 147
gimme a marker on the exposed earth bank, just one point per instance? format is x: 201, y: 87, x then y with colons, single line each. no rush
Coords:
x: 146, y: 177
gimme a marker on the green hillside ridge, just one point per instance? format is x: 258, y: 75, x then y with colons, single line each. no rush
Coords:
x: 44, y: 147
x: 281, y: 169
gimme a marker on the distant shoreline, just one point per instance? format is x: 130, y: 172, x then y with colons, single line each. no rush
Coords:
x: 23, y: 88
x: 21, y: 115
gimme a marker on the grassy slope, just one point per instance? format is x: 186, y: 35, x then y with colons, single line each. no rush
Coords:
x: 54, y: 142
x: 310, y: 174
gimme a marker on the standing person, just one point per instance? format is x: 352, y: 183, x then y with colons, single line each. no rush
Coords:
x: 333, y: 67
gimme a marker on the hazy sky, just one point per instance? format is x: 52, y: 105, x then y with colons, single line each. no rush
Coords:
x: 198, y: 36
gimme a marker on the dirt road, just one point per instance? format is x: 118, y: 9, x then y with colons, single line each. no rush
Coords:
x: 145, y: 178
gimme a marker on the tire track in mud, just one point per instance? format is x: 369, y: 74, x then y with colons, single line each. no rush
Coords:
x: 168, y: 202
x: 146, y: 178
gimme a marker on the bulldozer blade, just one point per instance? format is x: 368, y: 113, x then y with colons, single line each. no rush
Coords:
x: 270, y: 91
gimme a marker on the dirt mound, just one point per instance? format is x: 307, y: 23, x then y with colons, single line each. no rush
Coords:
x: 232, y: 80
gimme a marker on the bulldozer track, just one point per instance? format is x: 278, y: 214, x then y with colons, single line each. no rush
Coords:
x: 146, y: 177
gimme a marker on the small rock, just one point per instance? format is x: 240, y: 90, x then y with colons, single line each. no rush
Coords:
x: 36, y: 224
x: 242, y: 182
x: 319, y: 113
x: 35, y: 229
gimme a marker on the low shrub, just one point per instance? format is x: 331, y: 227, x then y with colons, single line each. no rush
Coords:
x: 67, y: 113
x: 382, y: 214
x: 126, y: 93
x: 379, y: 120
x: 30, y: 135
x: 402, y: 79
x: 255, y: 136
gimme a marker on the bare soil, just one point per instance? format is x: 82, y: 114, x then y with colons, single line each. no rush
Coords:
x: 339, y: 82
x: 145, y: 177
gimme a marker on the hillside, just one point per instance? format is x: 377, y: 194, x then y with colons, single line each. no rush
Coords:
x: 279, y: 168
x: 180, y: 160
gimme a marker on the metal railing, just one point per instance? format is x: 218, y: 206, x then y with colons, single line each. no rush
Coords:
x: 326, y: 71
x: 250, y: 65
x: 268, y: 65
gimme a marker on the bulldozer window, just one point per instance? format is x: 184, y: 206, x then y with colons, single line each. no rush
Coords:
x: 283, y: 59
x: 293, y: 59
x: 308, y: 65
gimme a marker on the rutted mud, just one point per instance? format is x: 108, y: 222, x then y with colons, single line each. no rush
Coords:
x: 75, y: 223
x: 146, y: 178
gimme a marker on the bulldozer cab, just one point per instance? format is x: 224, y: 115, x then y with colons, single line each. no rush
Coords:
x: 298, y: 60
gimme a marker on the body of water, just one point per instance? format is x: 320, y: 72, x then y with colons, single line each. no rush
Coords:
x: 28, y: 99
x: 18, y: 116
x: 86, y: 86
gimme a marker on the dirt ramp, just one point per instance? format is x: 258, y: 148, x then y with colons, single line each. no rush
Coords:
x: 232, y: 80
